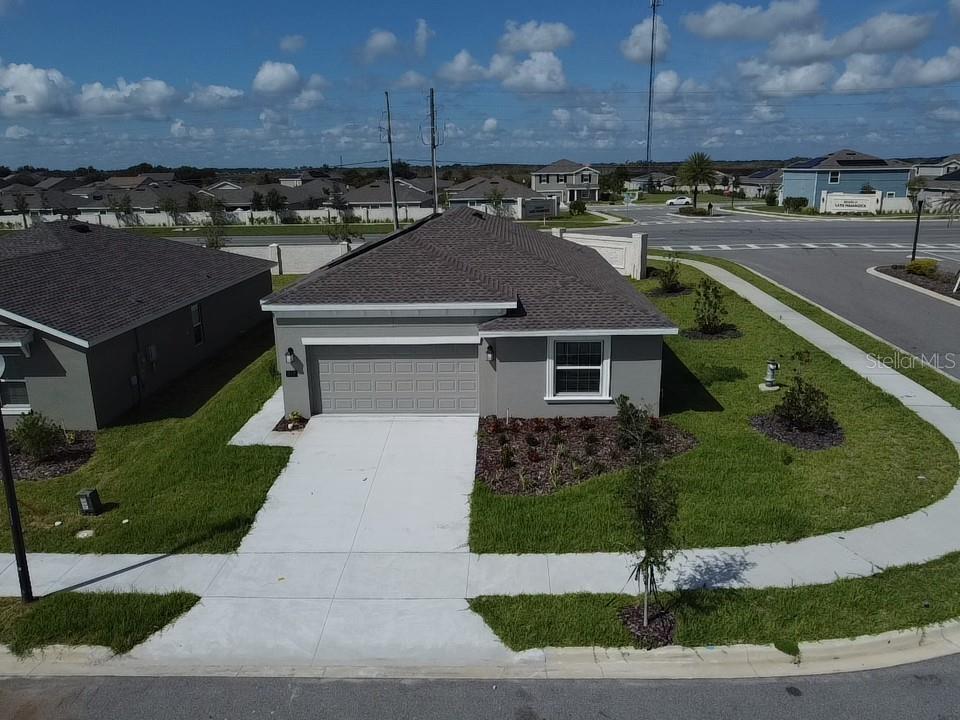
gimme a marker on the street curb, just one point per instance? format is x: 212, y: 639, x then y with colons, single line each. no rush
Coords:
x: 910, y: 286
x: 873, y: 652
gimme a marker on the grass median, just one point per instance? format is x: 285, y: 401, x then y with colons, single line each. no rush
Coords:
x: 119, y: 621
x: 739, y: 487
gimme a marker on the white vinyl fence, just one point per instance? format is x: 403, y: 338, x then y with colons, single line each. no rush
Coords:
x: 321, y: 216
x: 295, y: 259
x: 627, y: 255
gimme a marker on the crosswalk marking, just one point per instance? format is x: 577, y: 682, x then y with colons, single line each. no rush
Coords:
x: 873, y: 247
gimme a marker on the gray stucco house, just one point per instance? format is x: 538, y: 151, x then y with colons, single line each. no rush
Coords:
x: 467, y: 313
x: 93, y: 320
x: 567, y: 181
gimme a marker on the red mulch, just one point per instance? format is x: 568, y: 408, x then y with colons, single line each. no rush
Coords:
x: 538, y: 456
x: 65, y: 459
x: 660, y: 630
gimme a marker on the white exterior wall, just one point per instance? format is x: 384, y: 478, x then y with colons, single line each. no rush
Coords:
x: 627, y: 255
x: 294, y: 259
x: 839, y: 203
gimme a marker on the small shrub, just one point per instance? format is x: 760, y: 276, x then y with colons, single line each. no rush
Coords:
x: 709, y: 307
x: 795, y: 204
x: 539, y: 425
x: 805, y: 407
x: 590, y: 449
x: 506, y: 457
x: 578, y: 207
x: 36, y: 436
x: 532, y: 440
x: 70, y: 437
x: 695, y: 211
x: 771, y: 199
x: 635, y: 428
x: 556, y: 439
x: 497, y: 426
x: 926, y: 267
x: 669, y: 277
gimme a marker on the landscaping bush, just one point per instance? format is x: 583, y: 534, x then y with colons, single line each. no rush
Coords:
x: 36, y: 436
x: 669, y: 277
x: 805, y: 407
x: 925, y: 268
x: 771, y: 199
x: 691, y: 210
x: 709, y: 307
x: 636, y: 430
x: 795, y: 204
x: 578, y: 207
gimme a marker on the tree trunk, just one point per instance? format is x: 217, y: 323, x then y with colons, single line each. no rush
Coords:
x: 695, y: 191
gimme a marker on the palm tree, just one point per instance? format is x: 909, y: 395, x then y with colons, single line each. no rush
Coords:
x: 696, y: 171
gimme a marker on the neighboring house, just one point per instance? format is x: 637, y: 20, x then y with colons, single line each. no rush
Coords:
x: 937, y: 166
x: 425, y: 184
x: 845, y: 171
x: 939, y: 188
x: 96, y: 319
x: 760, y: 183
x: 515, y: 200
x: 467, y: 313
x: 640, y: 183
x: 567, y: 181
x: 235, y: 197
x: 371, y: 202
x: 128, y: 182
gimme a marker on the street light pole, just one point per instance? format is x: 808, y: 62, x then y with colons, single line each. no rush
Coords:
x: 916, y: 231
x: 16, y: 529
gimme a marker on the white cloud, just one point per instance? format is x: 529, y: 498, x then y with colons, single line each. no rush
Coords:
x: 273, y: 120
x: 276, y: 78
x: 636, y: 46
x: 764, y: 112
x: 605, y: 117
x: 214, y: 97
x: 734, y: 21
x: 561, y: 117
x: 535, y: 36
x: 146, y: 97
x: 873, y: 73
x: 490, y: 125
x: 541, y: 72
x: 17, y: 132
x: 411, y: 80
x: 666, y: 84
x: 462, y: 69
x: 955, y: 9
x: 774, y: 80
x: 887, y: 32
x: 713, y: 141
x: 944, y: 114
x: 421, y: 37
x: 179, y: 129
x: 453, y: 131
x: 311, y: 95
x: 379, y: 44
x: 292, y: 43
x: 29, y: 90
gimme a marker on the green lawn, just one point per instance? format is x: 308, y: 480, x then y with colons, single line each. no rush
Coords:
x: 739, y: 487
x: 587, y: 220
x: 281, y: 281
x: 168, y: 469
x: 896, y: 599
x: 719, y: 201
x: 118, y: 621
x: 936, y: 382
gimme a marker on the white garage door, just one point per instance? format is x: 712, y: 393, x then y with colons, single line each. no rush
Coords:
x: 394, y: 379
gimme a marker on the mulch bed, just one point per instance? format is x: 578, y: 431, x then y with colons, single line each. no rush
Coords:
x: 657, y: 292
x: 940, y: 283
x: 64, y: 460
x: 660, y: 630
x: 729, y: 332
x: 548, y: 454
x: 771, y: 426
x: 285, y: 425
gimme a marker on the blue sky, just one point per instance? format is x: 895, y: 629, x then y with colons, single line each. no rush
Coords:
x: 301, y: 83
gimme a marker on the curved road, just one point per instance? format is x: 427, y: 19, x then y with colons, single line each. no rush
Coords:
x: 924, y: 690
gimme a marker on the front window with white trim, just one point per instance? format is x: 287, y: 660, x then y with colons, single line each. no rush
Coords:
x: 834, y: 177
x: 13, y: 384
x: 578, y: 368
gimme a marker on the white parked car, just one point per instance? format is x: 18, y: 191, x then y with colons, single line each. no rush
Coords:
x: 682, y: 200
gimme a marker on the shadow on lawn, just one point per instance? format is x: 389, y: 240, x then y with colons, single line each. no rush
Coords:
x: 185, y: 395
x: 682, y: 390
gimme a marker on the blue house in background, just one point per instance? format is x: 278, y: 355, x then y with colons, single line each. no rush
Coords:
x: 845, y: 171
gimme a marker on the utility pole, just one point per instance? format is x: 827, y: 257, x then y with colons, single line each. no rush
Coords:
x: 16, y: 529
x: 393, y: 188
x: 433, y: 151
x: 654, y: 4
x: 916, y: 230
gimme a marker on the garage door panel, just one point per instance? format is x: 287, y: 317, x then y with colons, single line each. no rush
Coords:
x: 394, y: 378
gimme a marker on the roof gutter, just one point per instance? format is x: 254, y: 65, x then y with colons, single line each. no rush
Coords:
x: 669, y: 330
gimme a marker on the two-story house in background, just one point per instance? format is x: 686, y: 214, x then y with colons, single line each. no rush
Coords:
x: 847, y: 171
x: 567, y: 181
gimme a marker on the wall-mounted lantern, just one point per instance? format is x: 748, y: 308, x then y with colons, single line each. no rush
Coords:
x: 289, y: 358
x: 490, y: 354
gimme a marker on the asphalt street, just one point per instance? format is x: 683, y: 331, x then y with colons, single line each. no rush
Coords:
x: 926, y: 690
x: 826, y: 261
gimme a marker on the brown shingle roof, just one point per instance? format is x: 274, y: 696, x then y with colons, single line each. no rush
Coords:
x: 90, y: 282
x: 468, y: 256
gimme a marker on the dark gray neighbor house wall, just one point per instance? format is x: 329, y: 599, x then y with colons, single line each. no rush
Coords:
x: 162, y: 350
x: 515, y: 383
x: 58, y: 384
x: 290, y: 332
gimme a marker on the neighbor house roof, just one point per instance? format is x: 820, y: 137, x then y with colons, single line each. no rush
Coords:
x: 479, y: 188
x: 560, y: 166
x: 769, y: 176
x: 848, y: 160
x: 86, y: 283
x: 466, y: 256
x: 425, y: 184
x: 378, y: 193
